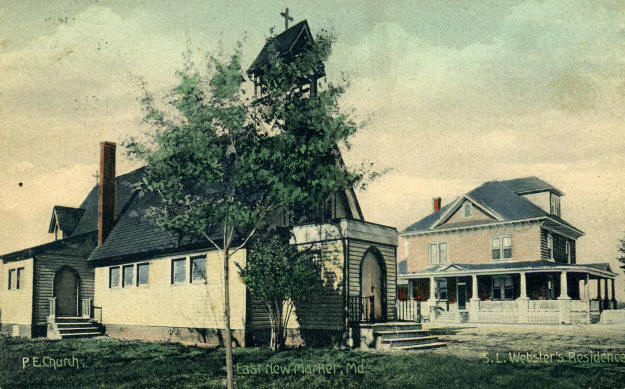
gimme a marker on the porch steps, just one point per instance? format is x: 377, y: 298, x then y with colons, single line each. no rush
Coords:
x: 405, y: 336
x: 451, y: 317
x: 75, y: 327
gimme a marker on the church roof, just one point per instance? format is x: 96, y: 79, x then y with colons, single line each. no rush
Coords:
x: 286, y: 43
x: 67, y: 218
x: 124, y: 191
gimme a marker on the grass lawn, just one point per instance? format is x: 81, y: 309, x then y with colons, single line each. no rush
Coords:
x: 104, y: 362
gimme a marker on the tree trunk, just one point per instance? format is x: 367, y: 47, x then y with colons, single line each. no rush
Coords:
x: 227, y: 334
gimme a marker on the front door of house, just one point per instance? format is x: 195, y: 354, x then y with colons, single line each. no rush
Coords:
x: 462, y: 295
x: 66, y: 283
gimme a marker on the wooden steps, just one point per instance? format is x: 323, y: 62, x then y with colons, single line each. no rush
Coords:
x: 73, y: 327
x: 403, y: 336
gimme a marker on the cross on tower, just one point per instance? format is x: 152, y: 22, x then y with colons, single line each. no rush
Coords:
x: 286, y: 17
x: 97, y: 177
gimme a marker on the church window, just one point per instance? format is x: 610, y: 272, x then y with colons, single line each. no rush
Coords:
x: 114, y: 277
x: 198, y: 268
x: 143, y: 274
x: 128, y: 276
x: 178, y: 271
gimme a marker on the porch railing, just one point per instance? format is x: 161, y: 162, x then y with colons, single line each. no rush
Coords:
x: 96, y: 318
x: 361, y: 309
x: 52, y: 307
x: 544, y: 305
x: 408, y: 310
x: 497, y: 305
x: 86, y: 307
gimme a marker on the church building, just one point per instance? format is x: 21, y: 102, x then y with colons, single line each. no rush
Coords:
x: 109, y: 270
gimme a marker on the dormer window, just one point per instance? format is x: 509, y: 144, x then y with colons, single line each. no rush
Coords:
x: 555, y: 204
x: 468, y: 211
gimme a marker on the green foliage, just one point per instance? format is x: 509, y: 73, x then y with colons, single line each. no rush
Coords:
x: 280, y: 275
x: 277, y: 271
x: 221, y: 163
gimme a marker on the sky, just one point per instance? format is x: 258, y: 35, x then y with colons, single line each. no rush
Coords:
x: 456, y: 93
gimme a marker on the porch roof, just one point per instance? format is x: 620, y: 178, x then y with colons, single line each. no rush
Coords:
x: 465, y: 269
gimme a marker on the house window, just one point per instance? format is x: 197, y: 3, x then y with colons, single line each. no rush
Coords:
x: 502, y: 288
x: 128, y: 276
x: 441, y: 289
x: 555, y: 204
x: 11, y: 278
x: 468, y: 211
x: 568, y: 251
x: 143, y: 274
x: 198, y: 269
x: 438, y: 253
x: 501, y: 247
x: 550, y: 246
x: 114, y: 277
x: 178, y: 271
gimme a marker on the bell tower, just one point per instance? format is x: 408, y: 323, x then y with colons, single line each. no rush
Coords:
x: 286, y: 46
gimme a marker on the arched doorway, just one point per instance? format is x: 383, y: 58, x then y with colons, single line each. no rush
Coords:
x: 373, y: 282
x: 66, y: 286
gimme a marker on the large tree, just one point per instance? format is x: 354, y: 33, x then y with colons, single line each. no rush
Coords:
x: 223, y: 164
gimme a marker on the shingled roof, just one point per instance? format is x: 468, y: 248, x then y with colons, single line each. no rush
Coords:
x: 528, y: 185
x: 66, y: 217
x: 498, y: 199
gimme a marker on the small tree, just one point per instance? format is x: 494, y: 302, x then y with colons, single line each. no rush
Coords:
x: 221, y: 164
x: 280, y: 275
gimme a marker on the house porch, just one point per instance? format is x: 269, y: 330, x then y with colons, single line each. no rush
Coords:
x: 532, y: 292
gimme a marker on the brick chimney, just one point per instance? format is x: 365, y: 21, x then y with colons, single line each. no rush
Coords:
x: 107, y: 201
x: 437, y: 203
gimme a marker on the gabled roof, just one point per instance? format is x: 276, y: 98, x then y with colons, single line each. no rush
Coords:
x: 66, y: 217
x: 289, y: 42
x: 124, y: 190
x: 497, y: 200
x: 527, y: 185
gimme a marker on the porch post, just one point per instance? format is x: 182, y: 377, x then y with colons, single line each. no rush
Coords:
x: 523, y: 302
x: 613, y: 295
x: 523, y: 294
x: 432, y: 299
x: 564, y: 287
x: 411, y: 289
x: 474, y: 301
x: 587, y: 287
x: 564, y: 301
x: 606, y: 301
x: 598, y: 288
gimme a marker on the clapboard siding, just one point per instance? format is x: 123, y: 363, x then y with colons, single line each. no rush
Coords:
x: 46, y: 267
x: 357, y: 250
x: 325, y: 307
